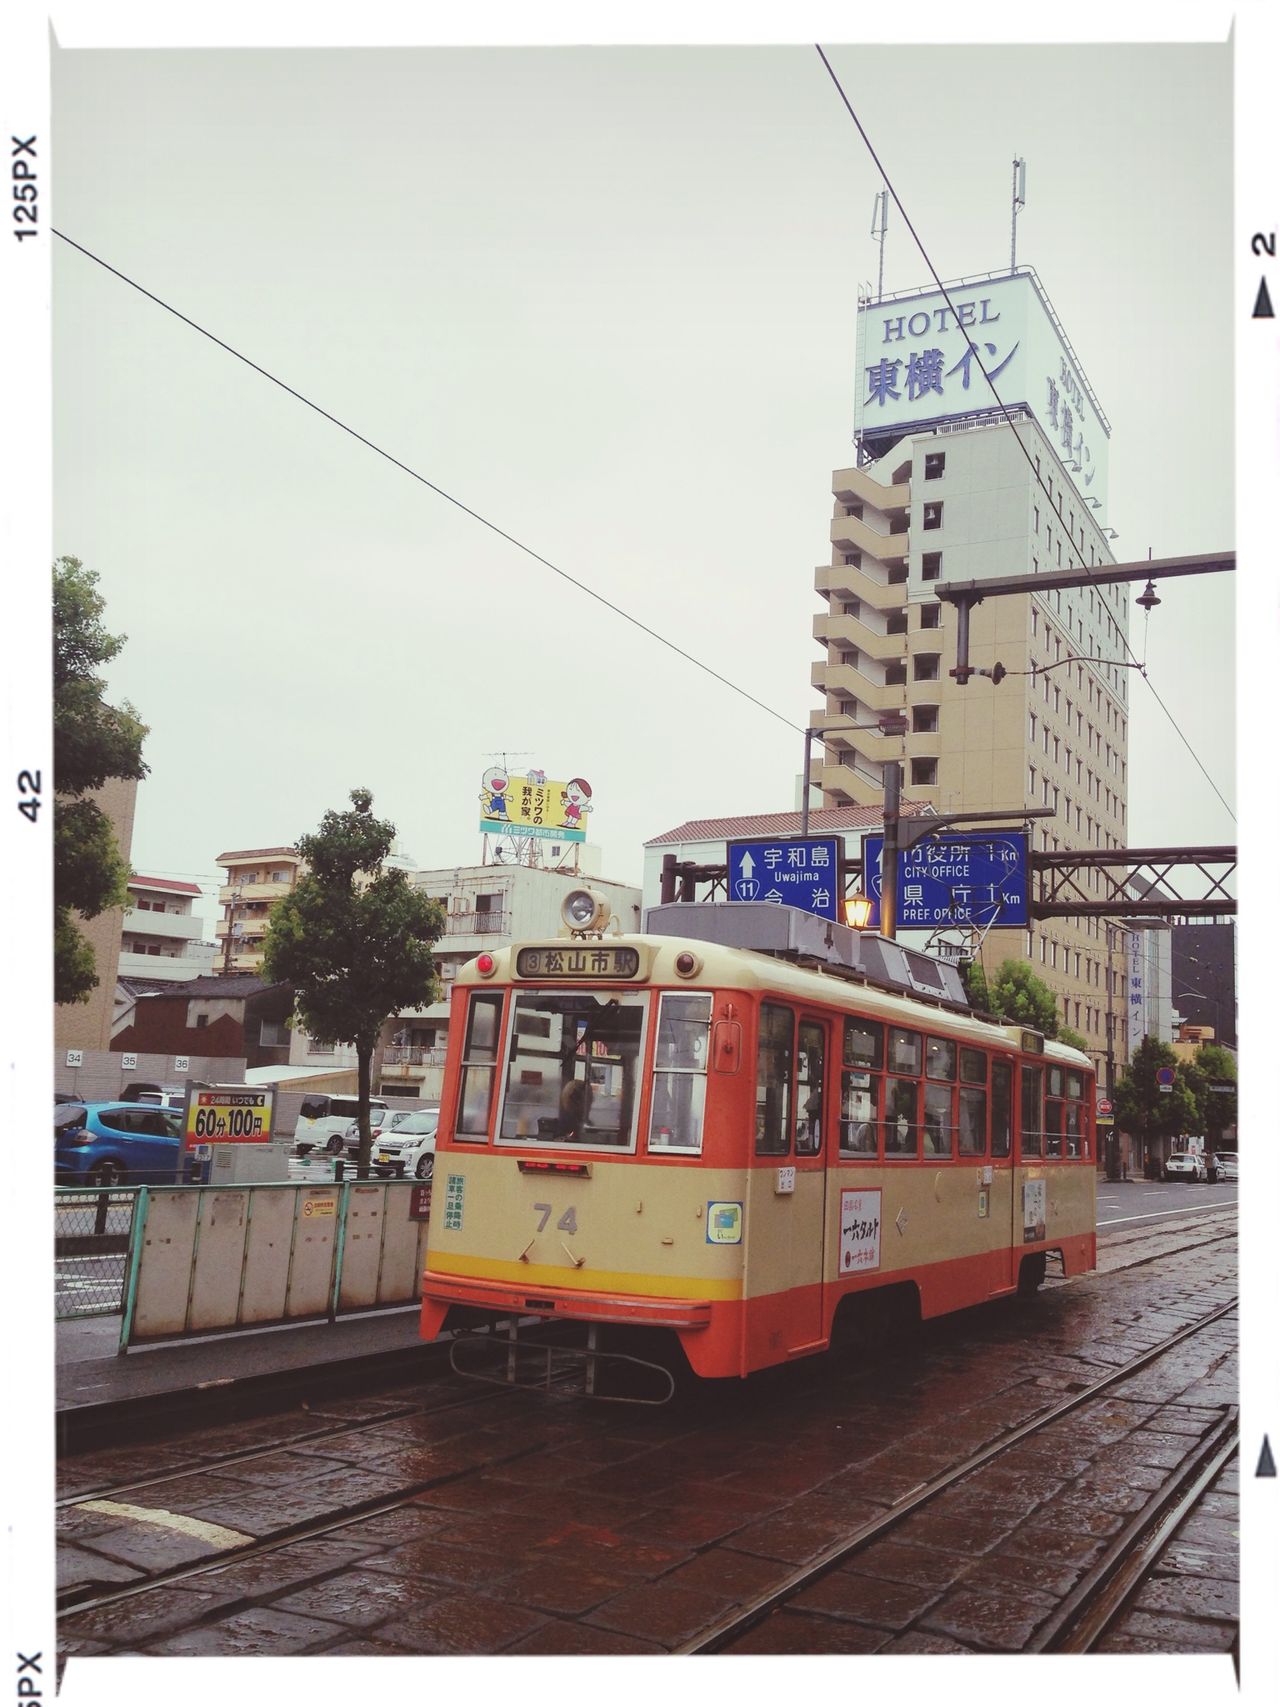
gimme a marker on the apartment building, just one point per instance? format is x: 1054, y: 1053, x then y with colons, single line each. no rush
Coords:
x: 966, y: 493
x: 255, y: 879
x: 160, y: 936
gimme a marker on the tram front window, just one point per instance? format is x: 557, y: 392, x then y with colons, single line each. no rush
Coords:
x: 573, y: 1068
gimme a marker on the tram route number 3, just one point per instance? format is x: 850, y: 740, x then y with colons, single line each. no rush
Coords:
x: 568, y: 1222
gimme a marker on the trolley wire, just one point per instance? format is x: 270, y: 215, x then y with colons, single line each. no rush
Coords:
x: 431, y: 485
x: 1100, y: 580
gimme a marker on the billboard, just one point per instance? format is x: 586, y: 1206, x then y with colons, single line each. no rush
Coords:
x: 530, y: 805
x: 224, y: 1115
x: 918, y: 368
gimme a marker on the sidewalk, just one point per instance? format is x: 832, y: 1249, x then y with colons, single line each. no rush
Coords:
x: 90, y: 1374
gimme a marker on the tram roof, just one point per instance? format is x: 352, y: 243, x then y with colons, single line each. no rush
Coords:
x: 723, y: 966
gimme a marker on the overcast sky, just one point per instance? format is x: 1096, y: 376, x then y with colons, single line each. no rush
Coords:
x: 606, y: 298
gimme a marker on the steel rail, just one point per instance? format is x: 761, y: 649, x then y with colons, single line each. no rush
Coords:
x: 716, y: 1636
x: 1083, y: 1618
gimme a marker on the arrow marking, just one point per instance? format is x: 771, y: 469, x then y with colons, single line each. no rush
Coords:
x: 1262, y: 310
x: 1266, y: 1464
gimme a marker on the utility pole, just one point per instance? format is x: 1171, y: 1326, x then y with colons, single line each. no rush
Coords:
x: 1019, y: 201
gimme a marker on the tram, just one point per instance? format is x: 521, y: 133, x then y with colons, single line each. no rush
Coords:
x: 748, y: 1128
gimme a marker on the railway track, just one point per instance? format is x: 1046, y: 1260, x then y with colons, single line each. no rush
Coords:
x: 1078, y: 1619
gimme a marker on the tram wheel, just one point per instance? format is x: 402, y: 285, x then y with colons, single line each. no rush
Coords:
x: 1031, y: 1275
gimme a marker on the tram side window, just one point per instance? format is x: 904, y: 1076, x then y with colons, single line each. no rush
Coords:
x: 937, y: 1120
x: 1032, y: 1112
x: 904, y: 1051
x: 973, y: 1103
x: 940, y: 1058
x: 901, y: 1117
x: 680, y: 1072
x: 859, y: 1087
x: 1001, y: 1108
x: 479, y: 1063
x: 809, y: 1083
x: 774, y: 1068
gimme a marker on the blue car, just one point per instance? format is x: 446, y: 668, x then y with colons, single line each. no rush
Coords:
x: 116, y: 1143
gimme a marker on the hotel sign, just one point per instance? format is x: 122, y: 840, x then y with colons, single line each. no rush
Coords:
x: 922, y: 364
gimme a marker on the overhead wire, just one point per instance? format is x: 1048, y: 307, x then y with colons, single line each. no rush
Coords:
x: 1099, y: 579
x: 431, y: 485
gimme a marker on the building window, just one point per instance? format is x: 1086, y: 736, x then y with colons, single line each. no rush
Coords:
x: 930, y: 565
x: 934, y: 464
x: 924, y: 773
x: 924, y: 719
x: 925, y: 666
x: 895, y: 675
x: 897, y: 577
x: 273, y: 1034
x: 851, y: 607
x: 851, y: 560
x: 931, y: 616
x: 1036, y: 509
x: 896, y: 622
x: 932, y: 516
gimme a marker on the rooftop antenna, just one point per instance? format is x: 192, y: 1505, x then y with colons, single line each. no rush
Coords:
x: 879, y: 225
x: 1019, y: 200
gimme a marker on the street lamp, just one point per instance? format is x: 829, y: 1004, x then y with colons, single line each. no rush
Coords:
x: 1203, y: 996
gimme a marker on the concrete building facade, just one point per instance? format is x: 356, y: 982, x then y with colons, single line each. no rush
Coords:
x: 255, y: 878
x: 160, y: 936
x: 973, y: 498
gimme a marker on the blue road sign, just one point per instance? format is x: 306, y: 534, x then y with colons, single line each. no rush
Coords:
x: 954, y: 879
x: 794, y: 872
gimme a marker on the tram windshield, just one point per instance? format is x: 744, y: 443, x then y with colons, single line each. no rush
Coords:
x: 573, y: 1068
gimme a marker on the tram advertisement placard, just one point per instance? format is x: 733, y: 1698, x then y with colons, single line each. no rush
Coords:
x: 228, y: 1117
x: 1033, y: 1222
x: 859, y: 1231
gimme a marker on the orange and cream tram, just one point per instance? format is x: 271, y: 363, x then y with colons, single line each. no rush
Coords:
x: 754, y: 1151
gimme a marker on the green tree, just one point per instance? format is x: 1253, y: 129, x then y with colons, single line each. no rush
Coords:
x: 1143, y: 1108
x: 92, y: 742
x: 1073, y: 1039
x: 1015, y: 994
x: 1214, y: 1065
x: 353, y: 940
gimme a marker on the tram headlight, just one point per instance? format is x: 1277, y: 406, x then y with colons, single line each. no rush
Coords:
x: 584, y: 910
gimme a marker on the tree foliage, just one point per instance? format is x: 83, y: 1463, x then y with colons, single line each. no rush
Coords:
x: 1143, y: 1108
x: 1014, y: 994
x: 1214, y: 1065
x: 92, y: 742
x: 353, y: 939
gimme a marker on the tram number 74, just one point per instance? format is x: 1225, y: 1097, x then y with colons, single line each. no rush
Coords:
x: 568, y: 1222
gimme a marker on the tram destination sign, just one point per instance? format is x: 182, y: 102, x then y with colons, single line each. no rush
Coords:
x: 801, y: 872
x: 954, y: 879
x: 578, y: 960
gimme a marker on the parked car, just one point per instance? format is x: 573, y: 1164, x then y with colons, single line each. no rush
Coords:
x: 1186, y: 1164
x: 116, y: 1143
x: 324, y: 1123
x: 160, y: 1096
x: 409, y: 1150
x: 1227, y: 1165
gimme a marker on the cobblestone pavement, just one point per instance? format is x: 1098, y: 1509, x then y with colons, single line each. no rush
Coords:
x: 561, y: 1528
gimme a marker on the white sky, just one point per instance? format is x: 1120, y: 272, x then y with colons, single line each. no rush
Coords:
x: 605, y: 297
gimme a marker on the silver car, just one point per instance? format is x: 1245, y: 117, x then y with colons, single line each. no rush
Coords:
x: 1226, y: 1163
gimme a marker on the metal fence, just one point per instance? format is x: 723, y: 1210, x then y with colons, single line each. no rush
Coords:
x: 92, y: 1233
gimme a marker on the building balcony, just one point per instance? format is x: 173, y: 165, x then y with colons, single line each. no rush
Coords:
x: 837, y: 734
x: 849, y: 681
x: 477, y: 924
x: 178, y: 968
x: 841, y: 581
x: 410, y: 1055
x: 849, y: 533
x: 249, y: 932
x: 182, y: 927
x: 857, y: 486
x: 252, y: 891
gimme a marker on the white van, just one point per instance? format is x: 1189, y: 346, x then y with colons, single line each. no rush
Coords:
x: 323, y: 1122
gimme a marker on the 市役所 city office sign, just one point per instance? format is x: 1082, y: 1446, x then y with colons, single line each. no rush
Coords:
x: 954, y: 880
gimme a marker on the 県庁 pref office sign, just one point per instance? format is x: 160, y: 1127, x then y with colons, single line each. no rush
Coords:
x: 954, y: 880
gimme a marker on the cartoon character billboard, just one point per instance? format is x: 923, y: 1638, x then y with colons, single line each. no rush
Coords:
x: 530, y: 805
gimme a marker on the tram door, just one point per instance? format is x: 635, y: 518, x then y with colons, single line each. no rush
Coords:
x: 1006, y: 1213
x: 787, y: 1208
